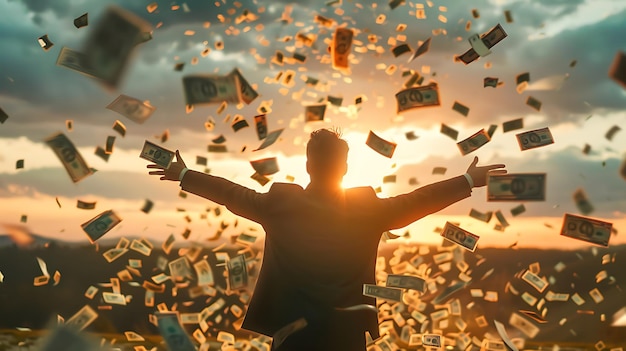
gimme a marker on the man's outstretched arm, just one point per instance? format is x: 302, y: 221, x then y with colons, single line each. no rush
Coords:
x: 400, y: 211
x: 238, y: 199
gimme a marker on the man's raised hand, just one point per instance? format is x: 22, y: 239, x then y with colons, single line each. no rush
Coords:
x: 479, y: 174
x: 171, y: 173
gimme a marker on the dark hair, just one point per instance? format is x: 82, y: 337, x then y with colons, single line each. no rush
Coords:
x: 326, y: 150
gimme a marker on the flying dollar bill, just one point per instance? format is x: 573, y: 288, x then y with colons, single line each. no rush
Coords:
x: 314, y: 113
x: 340, y: 48
x: 535, y: 281
x: 211, y: 89
x: 494, y: 36
x: 110, y: 44
x: 432, y: 340
x: 157, y: 154
x: 265, y: 166
x: 246, y: 93
x: 270, y: 139
x: 512, y: 125
x: 617, y: 70
x: 416, y: 97
x: 516, y: 187
x: 100, y: 225
x: 474, y: 142
x: 584, y: 205
x: 406, y: 282
x: 523, y: 325
x: 114, y: 253
x: 460, y: 236
x: 180, y: 268
x: 73, y: 162
x: 380, y: 145
x: 113, y: 298
x: 382, y: 292
x: 172, y: 331
x: 586, y: 229
x: 237, y: 272
x: 260, y: 122
x: 534, y: 138
x: 81, y: 319
x: 76, y: 61
x: 204, y: 273
x: 131, y: 108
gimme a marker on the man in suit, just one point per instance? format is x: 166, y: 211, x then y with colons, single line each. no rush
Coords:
x: 321, y: 242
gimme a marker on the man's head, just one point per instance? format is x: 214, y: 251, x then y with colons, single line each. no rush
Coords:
x: 327, y: 156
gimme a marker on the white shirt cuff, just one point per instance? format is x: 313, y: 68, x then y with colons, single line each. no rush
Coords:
x: 182, y: 173
x: 469, y: 180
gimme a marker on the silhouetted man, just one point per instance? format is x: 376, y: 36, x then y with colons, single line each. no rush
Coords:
x: 321, y: 242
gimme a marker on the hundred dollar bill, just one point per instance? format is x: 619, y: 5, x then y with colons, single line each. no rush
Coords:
x: 494, y: 36
x: 211, y: 89
x: 432, y: 340
x: 516, y: 187
x: 172, y: 331
x: 282, y: 333
x: 492, y: 345
x: 265, y: 166
x: 382, y: 292
x: 109, y: 45
x: 271, y: 139
x: 380, y: 145
x: 460, y: 236
x: 180, y: 268
x: 76, y: 61
x: 113, y: 254
x: 485, y: 217
x: 246, y: 239
x: 474, y: 142
x: 314, y: 113
x: 512, y: 125
x: 340, y: 48
x: 586, y: 229
x: 204, y: 273
x: 523, y: 325
x: 113, y: 298
x: 405, y: 282
x: 417, y: 97
x: 140, y: 247
x: 552, y: 296
x: 237, y: 272
x: 535, y: 281
x: 84, y: 205
x: 584, y: 206
x: 131, y: 108
x: 81, y: 319
x: 246, y: 93
x: 72, y: 160
x: 534, y: 138
x: 100, y: 225
x: 260, y: 122
x: 157, y: 154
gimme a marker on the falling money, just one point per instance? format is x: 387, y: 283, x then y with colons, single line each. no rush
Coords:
x: 516, y: 187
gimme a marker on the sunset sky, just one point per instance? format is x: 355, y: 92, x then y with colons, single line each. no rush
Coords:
x: 579, y: 105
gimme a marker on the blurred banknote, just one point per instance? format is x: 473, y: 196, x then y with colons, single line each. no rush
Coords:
x: 204, y: 273
x: 382, y: 292
x: 109, y: 45
x: 81, y: 319
x: 523, y: 325
x: 172, y: 332
x: 211, y: 89
x: 432, y: 340
x: 512, y: 125
x: 100, y: 225
x: 494, y: 36
x: 260, y: 122
x: 617, y: 71
x: 584, y: 205
x: 587, y: 229
x: 460, y: 236
x: 246, y: 93
x: 159, y: 155
x: 516, y: 187
x: 380, y: 145
x: 131, y: 108
x: 76, y: 61
x: 474, y: 142
x: 73, y: 162
x: 340, y: 48
x: 416, y: 97
x: 534, y: 138
x: 314, y: 113
x: 265, y: 166
x: 180, y: 268
x: 237, y: 272
x: 405, y: 282
x: 535, y: 281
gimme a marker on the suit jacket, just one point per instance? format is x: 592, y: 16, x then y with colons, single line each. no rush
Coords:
x: 319, y: 252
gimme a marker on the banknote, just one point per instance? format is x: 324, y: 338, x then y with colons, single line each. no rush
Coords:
x: 281, y: 334
x: 611, y: 132
x: 421, y: 50
x: 534, y: 138
x: 172, y: 331
x: 526, y: 327
x: 204, y: 273
x: 382, y: 292
x: 72, y: 160
x: 460, y: 236
x: 76, y: 61
x: 3, y: 116
x: 552, y: 296
x: 505, y: 336
x: 157, y: 154
x: 109, y: 144
x: 110, y: 44
x: 503, y: 222
x: 492, y: 130
x: 485, y: 217
x: 460, y: 108
x: 587, y: 229
x: 534, y: 103
x: 493, y: 345
x: 582, y: 203
x: 406, y: 282
x: 180, y: 268
x: 380, y: 145
x: 449, y: 131
x: 494, y: 36
x: 340, y: 48
x: 82, y: 20
x: 247, y: 94
x: 119, y: 127
x: 237, y: 272
x: 474, y: 142
x: 81, y: 319
x: 100, y: 225
x: 211, y: 89
x: 512, y: 125
x: 270, y: 139
x: 432, y: 340
x: 314, y: 113
x: 535, y: 281
x: 622, y: 170
x: 265, y: 166
x: 114, y: 253
x: 131, y: 108
x: 113, y: 298
x: 479, y: 47
x: 140, y: 247
x: 260, y: 122
x: 448, y: 292
x: 516, y: 187
x: 617, y: 71
x: 416, y: 97
x: 85, y: 205
x: 261, y: 179
x: 246, y: 239
x: 490, y: 82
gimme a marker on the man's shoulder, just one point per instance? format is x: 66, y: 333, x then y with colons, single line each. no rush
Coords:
x: 285, y: 188
x: 361, y: 192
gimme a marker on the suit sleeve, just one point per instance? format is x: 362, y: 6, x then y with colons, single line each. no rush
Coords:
x: 402, y: 210
x: 238, y: 199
